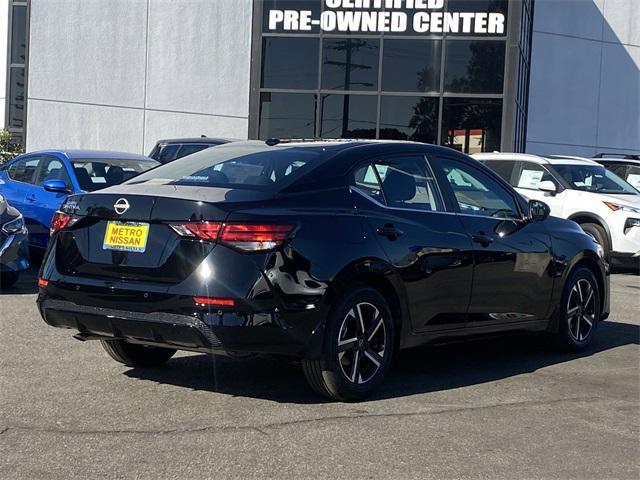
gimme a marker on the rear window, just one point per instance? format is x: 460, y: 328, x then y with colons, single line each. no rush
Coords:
x: 94, y: 174
x: 254, y: 166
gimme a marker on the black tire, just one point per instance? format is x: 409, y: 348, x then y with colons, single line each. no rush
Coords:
x: 8, y: 279
x: 340, y: 374
x: 579, y: 310
x: 134, y: 355
x: 599, y: 235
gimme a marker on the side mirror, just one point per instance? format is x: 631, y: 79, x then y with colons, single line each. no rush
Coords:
x: 547, y: 186
x: 538, y: 210
x: 57, y: 186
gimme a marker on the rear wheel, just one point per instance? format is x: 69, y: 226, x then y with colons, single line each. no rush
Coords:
x: 136, y: 355
x: 358, y: 347
x: 8, y: 279
x: 579, y: 311
x: 599, y: 234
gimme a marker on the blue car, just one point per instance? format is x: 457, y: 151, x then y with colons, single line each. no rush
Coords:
x: 37, y: 183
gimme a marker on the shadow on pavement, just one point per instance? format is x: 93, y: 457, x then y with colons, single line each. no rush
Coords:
x: 27, y: 284
x: 422, y: 370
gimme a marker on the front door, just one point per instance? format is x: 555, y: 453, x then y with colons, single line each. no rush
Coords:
x: 528, y: 175
x: 512, y: 281
x: 427, y: 247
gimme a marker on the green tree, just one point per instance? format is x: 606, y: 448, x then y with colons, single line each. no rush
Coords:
x: 8, y: 148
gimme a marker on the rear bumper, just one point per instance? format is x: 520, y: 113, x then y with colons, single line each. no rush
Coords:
x: 216, y: 332
x: 14, y: 253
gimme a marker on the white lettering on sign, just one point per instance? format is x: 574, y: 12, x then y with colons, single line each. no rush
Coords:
x: 375, y: 16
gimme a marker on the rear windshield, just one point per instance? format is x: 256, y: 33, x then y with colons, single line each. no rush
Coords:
x: 94, y: 174
x: 594, y: 178
x: 237, y: 166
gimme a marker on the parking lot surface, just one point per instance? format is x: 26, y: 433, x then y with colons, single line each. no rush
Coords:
x: 500, y: 408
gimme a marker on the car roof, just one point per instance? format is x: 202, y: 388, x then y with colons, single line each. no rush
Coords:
x: 627, y: 161
x: 95, y: 154
x: 194, y: 140
x: 543, y: 160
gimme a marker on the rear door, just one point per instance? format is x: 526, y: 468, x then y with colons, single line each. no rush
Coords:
x: 19, y: 187
x: 511, y: 277
x: 428, y: 247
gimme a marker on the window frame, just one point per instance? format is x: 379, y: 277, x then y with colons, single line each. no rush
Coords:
x: 519, y: 167
x: 442, y: 208
x: 25, y: 159
x: 452, y: 201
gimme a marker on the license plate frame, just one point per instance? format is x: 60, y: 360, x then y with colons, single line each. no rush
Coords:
x: 132, y: 240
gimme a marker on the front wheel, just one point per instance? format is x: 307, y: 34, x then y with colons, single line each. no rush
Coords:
x: 134, y: 355
x: 579, y: 312
x: 358, y: 347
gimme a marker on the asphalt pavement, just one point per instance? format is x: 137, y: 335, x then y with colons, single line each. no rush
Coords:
x: 500, y: 408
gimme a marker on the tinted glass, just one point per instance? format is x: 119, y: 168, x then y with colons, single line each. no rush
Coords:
x: 409, y: 118
x: 472, y: 125
x: 366, y: 179
x: 94, y: 174
x: 407, y: 183
x: 168, y: 153
x: 504, y: 168
x: 594, y: 178
x: 254, y: 166
x: 632, y: 176
x: 474, y: 66
x: 478, y: 194
x: 287, y: 115
x: 52, y: 169
x: 350, y: 64
x: 191, y: 148
x: 24, y: 170
x: 349, y: 116
x: 411, y: 65
x: 17, y: 99
x: 19, y: 34
x: 290, y: 63
x: 531, y: 174
x: 311, y: 6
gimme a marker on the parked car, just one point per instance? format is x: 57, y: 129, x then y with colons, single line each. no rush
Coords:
x: 166, y: 151
x: 625, y: 166
x: 337, y: 253
x: 37, y: 183
x: 582, y: 190
x: 14, y: 249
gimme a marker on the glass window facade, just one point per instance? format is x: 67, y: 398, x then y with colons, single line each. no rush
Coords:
x: 443, y: 88
x: 16, y: 104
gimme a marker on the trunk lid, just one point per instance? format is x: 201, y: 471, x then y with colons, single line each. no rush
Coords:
x: 167, y: 257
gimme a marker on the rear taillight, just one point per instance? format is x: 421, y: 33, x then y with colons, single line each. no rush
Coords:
x: 59, y: 221
x: 247, y: 237
x: 214, y: 302
x: 42, y: 283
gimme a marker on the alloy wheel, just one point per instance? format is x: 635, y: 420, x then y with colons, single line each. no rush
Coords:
x: 361, y: 343
x: 581, y: 310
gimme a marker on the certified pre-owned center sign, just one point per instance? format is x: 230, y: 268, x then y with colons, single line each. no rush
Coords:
x: 400, y: 16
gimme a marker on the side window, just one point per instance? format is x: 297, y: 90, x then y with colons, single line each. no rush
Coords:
x: 189, y: 149
x: 366, y: 180
x: 531, y: 174
x: 24, y: 170
x: 477, y: 193
x: 168, y: 153
x: 504, y: 168
x: 52, y: 169
x: 408, y: 183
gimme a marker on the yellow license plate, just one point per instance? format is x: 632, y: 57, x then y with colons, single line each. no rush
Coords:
x: 126, y: 236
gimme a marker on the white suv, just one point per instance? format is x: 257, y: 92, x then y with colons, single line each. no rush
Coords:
x: 582, y: 190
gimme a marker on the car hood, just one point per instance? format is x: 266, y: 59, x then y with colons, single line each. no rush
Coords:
x: 631, y: 200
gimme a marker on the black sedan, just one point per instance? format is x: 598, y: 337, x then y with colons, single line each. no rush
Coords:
x: 337, y: 253
x: 14, y: 244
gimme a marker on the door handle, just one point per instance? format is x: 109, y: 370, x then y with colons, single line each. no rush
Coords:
x: 482, y: 238
x: 31, y: 197
x: 389, y: 231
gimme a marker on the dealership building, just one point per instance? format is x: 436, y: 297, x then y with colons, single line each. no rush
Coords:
x: 542, y: 76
